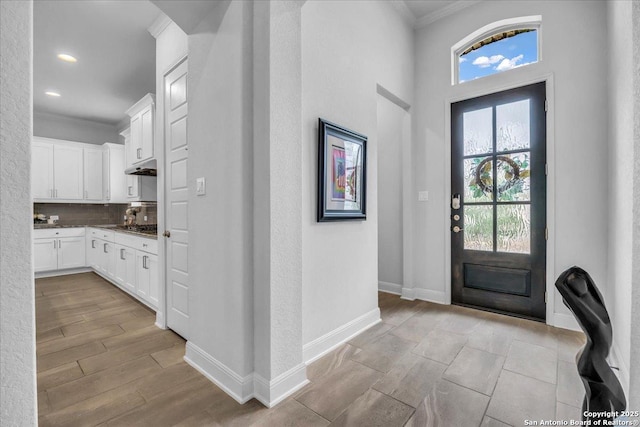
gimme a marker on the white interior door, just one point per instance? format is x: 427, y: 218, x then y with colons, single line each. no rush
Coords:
x: 176, y: 196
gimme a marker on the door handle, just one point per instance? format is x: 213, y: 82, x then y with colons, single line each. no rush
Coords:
x: 166, y: 233
x: 122, y: 254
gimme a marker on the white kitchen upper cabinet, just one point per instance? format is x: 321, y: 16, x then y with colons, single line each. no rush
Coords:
x: 67, y: 172
x: 115, y: 189
x: 140, y: 144
x: 146, y: 134
x: 71, y: 252
x: 42, y: 170
x: 45, y: 254
x: 134, y: 150
x: 93, y: 174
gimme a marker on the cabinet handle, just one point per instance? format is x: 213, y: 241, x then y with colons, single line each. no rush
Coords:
x: 105, y: 248
x: 129, y: 190
x: 54, y: 244
x: 93, y: 244
x: 139, y: 153
x: 144, y: 262
x: 122, y: 254
x: 59, y: 244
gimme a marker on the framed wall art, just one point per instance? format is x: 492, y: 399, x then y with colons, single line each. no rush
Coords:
x: 342, y: 177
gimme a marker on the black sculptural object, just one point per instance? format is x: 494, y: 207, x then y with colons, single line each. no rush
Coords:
x: 604, y: 395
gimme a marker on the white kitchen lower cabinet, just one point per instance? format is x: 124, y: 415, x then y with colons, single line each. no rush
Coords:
x: 71, y: 252
x: 129, y: 261
x: 126, y: 268
x: 45, y: 255
x: 58, y: 249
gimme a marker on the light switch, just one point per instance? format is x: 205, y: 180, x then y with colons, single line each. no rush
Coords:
x: 423, y: 196
x: 200, y: 186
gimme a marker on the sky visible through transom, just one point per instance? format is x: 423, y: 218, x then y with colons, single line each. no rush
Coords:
x: 503, y: 55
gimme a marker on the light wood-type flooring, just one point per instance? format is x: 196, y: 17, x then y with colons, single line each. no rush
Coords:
x: 101, y: 361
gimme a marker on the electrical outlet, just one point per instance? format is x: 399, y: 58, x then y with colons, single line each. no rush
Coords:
x: 423, y: 196
x: 145, y: 217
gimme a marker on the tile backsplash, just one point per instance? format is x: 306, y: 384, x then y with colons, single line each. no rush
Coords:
x: 95, y: 214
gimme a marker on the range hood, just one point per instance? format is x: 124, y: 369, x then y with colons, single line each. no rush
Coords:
x: 148, y: 168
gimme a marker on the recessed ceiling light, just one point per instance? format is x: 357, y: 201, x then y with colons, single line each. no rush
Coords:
x: 66, y: 58
x: 51, y: 93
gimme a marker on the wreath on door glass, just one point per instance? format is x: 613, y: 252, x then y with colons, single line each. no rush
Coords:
x: 511, y: 174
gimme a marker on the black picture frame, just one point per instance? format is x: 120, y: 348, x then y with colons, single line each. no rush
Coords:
x: 342, y: 173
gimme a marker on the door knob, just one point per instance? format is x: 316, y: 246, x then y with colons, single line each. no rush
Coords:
x: 166, y: 233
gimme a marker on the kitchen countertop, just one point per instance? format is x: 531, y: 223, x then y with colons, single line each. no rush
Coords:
x: 113, y: 227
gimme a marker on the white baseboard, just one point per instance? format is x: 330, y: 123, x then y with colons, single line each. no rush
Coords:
x: 390, y: 288
x: 55, y: 273
x: 615, y: 359
x: 565, y: 321
x: 411, y: 294
x: 270, y: 393
x: 236, y: 386
x: 327, y: 342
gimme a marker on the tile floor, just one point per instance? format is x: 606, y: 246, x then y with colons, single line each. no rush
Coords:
x: 101, y: 361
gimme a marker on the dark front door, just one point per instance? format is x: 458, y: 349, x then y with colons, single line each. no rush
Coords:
x: 498, y: 201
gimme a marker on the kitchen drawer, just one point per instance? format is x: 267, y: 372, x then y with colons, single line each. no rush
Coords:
x: 101, y: 233
x: 145, y: 244
x: 51, y: 233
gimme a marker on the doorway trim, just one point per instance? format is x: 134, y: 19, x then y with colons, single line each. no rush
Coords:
x: 552, y: 318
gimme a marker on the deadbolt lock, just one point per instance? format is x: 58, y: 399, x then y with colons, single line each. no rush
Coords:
x: 456, y: 217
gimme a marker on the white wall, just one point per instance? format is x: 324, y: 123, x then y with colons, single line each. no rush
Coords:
x: 634, y: 363
x: 621, y: 113
x: 574, y: 50
x: 51, y: 125
x: 18, y: 405
x: 391, y: 119
x: 220, y: 223
x: 348, y: 47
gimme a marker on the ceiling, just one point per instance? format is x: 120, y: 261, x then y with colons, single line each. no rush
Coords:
x: 115, y: 52
x: 423, y: 12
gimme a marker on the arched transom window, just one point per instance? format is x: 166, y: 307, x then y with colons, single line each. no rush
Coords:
x: 497, y: 47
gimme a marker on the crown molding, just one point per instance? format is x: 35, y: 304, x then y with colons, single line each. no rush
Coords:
x: 445, y: 11
x: 159, y: 25
x: 401, y: 7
